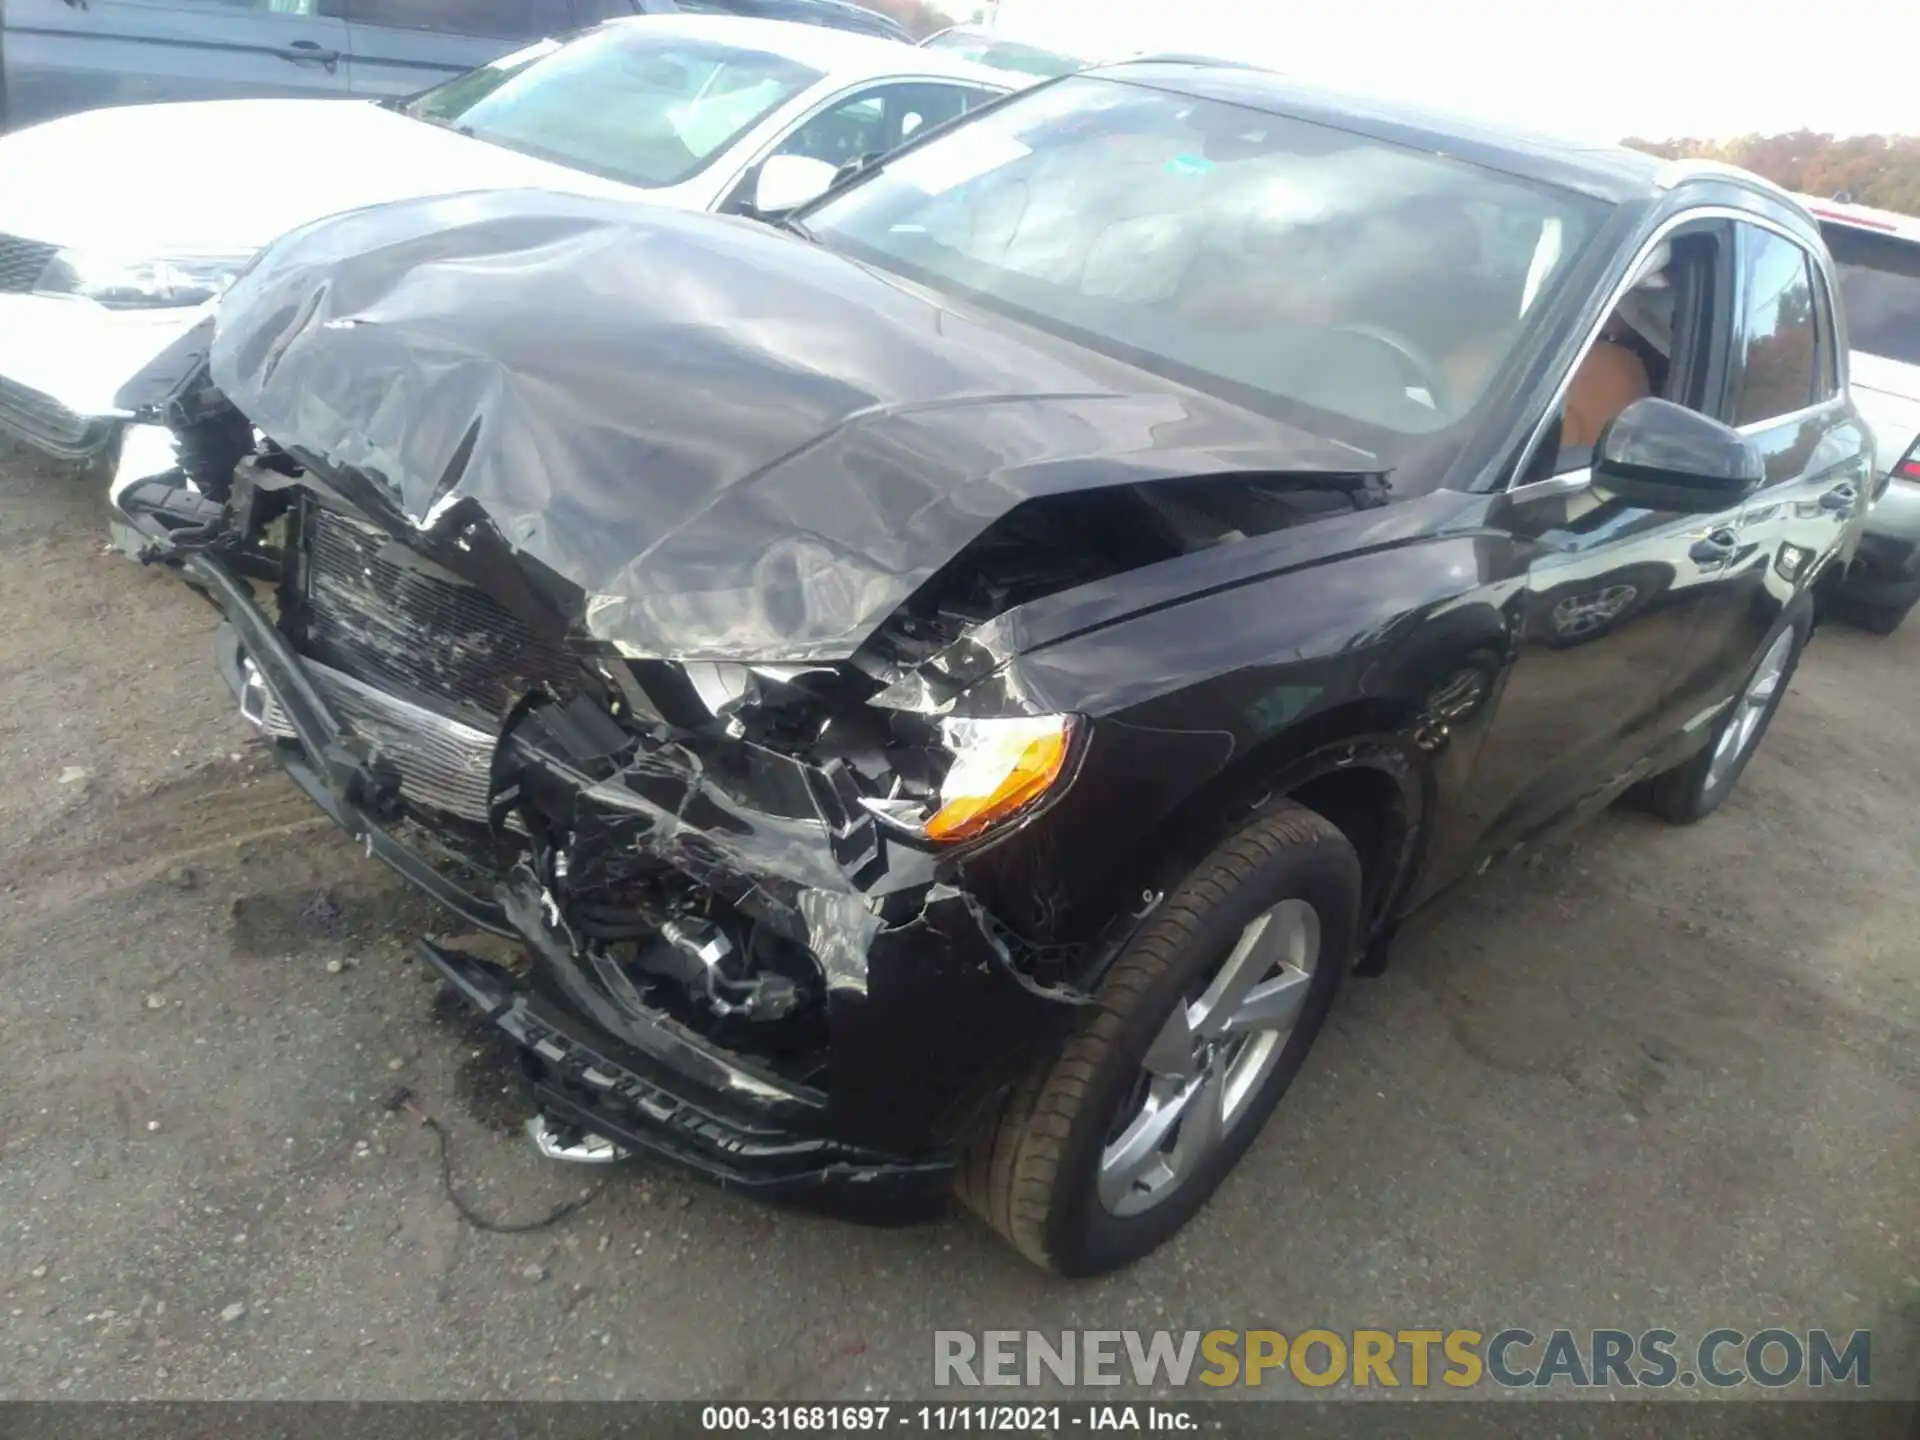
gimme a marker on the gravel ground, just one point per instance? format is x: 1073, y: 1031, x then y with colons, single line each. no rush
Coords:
x: 1649, y: 1076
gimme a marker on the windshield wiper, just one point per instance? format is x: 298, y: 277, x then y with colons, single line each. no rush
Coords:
x: 797, y: 227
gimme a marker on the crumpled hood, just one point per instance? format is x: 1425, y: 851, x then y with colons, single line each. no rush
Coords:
x: 737, y: 444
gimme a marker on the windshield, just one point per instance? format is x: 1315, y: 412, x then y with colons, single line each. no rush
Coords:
x: 1880, y: 287
x: 624, y: 101
x: 1005, y: 54
x: 1289, y: 265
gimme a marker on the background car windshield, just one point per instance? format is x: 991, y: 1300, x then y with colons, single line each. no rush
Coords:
x: 623, y: 101
x: 1880, y: 284
x: 1267, y: 258
x: 1005, y: 54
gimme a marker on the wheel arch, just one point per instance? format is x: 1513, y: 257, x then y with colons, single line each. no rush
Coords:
x: 1354, y: 764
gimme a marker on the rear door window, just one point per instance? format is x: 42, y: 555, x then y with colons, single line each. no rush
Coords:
x: 1778, y: 351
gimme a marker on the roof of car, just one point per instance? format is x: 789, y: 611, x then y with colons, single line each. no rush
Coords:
x: 1609, y: 172
x: 1863, y: 217
x: 844, y: 54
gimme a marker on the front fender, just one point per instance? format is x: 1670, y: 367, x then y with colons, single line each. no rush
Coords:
x: 1196, y: 709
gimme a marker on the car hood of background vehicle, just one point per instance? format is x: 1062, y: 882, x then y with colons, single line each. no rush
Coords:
x: 223, y: 177
x: 736, y: 443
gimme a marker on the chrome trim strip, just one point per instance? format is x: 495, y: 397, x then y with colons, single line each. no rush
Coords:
x: 1571, y: 483
x: 1793, y: 417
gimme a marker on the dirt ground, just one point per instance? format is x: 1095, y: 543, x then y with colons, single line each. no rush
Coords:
x: 1648, y: 1077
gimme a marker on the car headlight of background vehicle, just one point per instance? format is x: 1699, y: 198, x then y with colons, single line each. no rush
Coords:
x: 122, y: 284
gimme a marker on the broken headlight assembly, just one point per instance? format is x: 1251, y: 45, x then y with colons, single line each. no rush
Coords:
x: 943, y: 782
x: 1000, y: 769
x: 141, y: 284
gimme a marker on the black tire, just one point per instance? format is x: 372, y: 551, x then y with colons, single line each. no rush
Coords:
x: 1033, y: 1174
x: 1681, y: 796
x: 1864, y: 615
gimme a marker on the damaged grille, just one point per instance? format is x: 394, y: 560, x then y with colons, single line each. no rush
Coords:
x: 21, y: 262
x: 392, y: 619
x: 443, y: 764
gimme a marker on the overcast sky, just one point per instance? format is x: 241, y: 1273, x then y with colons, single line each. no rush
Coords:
x: 1601, y: 69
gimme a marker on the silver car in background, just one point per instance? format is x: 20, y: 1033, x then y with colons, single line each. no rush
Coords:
x: 1877, y: 258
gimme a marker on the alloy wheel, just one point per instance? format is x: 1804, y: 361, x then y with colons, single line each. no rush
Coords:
x: 1200, y: 1075
x: 1750, y: 711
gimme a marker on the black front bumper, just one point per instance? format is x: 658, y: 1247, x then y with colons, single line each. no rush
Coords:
x: 928, y: 1024
x: 581, y: 1076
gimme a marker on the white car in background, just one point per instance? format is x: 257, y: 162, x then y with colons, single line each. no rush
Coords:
x: 119, y: 227
x: 1877, y: 258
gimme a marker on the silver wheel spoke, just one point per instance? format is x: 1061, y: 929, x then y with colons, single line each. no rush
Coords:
x: 1286, y: 935
x: 1253, y: 956
x: 1172, y: 1053
x: 1749, y: 710
x: 1272, y: 1004
x: 1203, y: 1123
x: 1137, y: 1159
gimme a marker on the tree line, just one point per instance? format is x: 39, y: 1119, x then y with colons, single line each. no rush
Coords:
x: 920, y: 18
x: 1878, y: 170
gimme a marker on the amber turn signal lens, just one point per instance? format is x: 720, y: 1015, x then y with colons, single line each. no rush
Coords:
x: 999, y: 767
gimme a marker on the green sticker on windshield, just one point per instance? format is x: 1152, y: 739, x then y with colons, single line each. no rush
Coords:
x: 1189, y: 165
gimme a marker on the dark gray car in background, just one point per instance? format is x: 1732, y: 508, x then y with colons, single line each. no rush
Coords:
x: 60, y: 56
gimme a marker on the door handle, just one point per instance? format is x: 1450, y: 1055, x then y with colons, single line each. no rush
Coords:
x: 308, y: 52
x: 1840, y: 500
x: 1716, y: 547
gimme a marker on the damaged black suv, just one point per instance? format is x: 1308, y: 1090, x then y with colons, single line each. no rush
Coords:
x: 943, y: 693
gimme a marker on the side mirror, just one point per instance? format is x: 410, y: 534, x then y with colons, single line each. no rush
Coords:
x: 1666, y: 457
x: 787, y: 182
